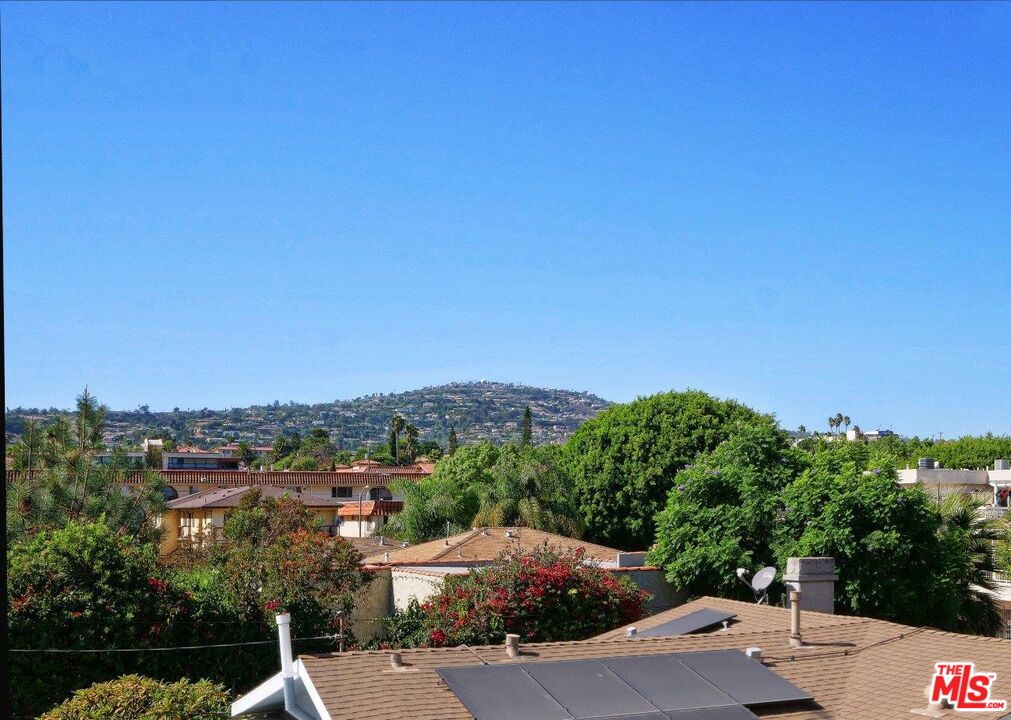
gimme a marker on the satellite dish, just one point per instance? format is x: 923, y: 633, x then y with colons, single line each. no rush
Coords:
x: 763, y: 579
x: 760, y: 583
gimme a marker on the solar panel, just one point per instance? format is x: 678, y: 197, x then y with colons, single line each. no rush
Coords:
x: 501, y: 692
x: 587, y: 688
x: 745, y: 680
x: 728, y: 712
x: 667, y: 683
x: 692, y: 622
x: 713, y: 685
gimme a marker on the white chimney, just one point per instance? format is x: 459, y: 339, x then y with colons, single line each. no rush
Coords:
x: 755, y: 653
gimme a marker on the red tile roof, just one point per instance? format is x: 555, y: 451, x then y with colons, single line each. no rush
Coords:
x: 272, y: 477
x: 230, y: 497
x: 370, y: 508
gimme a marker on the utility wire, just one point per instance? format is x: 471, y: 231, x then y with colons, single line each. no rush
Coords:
x: 161, y: 649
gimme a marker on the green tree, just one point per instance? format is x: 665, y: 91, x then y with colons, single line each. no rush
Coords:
x: 625, y: 461
x: 964, y: 566
x: 529, y: 487
x: 60, y: 481
x: 410, y: 442
x: 721, y: 514
x: 245, y: 453
x: 897, y: 556
x: 261, y: 521
x: 81, y: 586
x: 452, y: 443
x: 527, y: 438
x: 451, y: 494
x: 396, y: 427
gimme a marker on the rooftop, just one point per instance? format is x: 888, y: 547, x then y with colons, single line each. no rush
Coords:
x: 855, y: 668
x: 370, y: 508
x: 483, y: 545
x: 230, y: 497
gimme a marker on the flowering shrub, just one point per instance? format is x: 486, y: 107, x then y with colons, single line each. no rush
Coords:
x: 542, y: 596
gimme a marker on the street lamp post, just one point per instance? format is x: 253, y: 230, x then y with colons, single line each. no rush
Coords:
x: 361, y: 495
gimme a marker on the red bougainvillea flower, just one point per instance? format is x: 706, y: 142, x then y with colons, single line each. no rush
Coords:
x: 273, y: 604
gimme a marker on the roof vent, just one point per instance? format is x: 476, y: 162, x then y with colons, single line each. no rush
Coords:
x: 396, y: 661
x: 404, y: 544
x: 386, y: 557
x: 631, y: 631
x: 755, y: 653
x: 795, y: 638
x: 509, y: 533
x: 512, y: 645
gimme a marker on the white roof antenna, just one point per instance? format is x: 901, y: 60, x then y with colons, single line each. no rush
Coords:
x: 759, y: 584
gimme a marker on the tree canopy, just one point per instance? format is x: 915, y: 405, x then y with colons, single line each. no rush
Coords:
x: 484, y: 484
x: 60, y: 480
x: 625, y: 461
x: 721, y: 514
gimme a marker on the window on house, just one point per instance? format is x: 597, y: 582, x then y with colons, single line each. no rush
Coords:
x: 340, y: 492
x: 193, y: 489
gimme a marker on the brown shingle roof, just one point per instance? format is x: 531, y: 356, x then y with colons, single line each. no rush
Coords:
x: 486, y: 544
x: 229, y: 497
x: 856, y: 668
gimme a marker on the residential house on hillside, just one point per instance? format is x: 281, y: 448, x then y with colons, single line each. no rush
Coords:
x: 417, y: 572
x: 766, y: 661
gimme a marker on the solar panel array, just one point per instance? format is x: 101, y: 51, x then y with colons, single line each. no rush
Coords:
x: 712, y: 685
x: 692, y: 622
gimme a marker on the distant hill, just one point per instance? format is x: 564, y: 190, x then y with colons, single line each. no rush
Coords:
x: 478, y: 411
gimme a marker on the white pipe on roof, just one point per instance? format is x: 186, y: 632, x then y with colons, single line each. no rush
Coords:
x: 288, y: 669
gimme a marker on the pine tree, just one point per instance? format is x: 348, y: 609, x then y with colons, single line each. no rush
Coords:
x: 453, y: 442
x: 528, y: 429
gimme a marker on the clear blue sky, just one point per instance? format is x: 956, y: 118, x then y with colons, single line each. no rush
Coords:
x: 806, y: 207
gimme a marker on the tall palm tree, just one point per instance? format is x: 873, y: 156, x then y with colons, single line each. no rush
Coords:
x: 397, y: 425
x: 846, y: 422
x: 801, y: 429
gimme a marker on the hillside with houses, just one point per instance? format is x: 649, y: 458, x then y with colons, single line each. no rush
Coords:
x: 477, y: 410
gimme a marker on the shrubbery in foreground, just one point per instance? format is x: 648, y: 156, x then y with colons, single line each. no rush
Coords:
x: 134, y: 697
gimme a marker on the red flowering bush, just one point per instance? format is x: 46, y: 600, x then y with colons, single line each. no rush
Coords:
x: 543, y: 596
